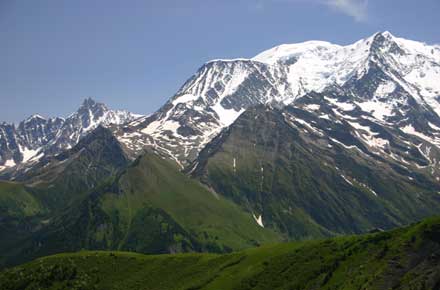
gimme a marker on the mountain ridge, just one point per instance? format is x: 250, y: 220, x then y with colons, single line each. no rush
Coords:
x: 402, y: 259
x: 35, y: 137
x: 382, y: 73
x: 361, y: 151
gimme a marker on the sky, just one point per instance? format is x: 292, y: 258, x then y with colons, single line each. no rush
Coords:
x: 135, y: 54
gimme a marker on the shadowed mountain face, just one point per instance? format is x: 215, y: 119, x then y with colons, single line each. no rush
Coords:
x: 308, y: 176
x: 54, y: 185
x: 64, y: 177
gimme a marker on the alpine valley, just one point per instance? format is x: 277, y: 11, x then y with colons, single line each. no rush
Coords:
x: 303, y: 141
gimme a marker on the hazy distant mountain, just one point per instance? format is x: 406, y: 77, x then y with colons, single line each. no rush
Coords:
x: 37, y: 136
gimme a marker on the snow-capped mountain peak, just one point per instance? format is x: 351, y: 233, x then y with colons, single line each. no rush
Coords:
x: 35, y: 117
x: 37, y: 136
x: 285, y: 52
x: 382, y: 73
x: 386, y: 79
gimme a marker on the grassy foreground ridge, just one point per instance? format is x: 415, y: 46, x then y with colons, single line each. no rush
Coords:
x: 406, y: 258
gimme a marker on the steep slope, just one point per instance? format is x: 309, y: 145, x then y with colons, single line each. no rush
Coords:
x: 393, y: 77
x: 23, y: 145
x: 402, y: 259
x: 20, y: 213
x: 63, y: 178
x: 152, y: 208
x: 53, y: 185
x: 310, y: 140
x: 308, y: 176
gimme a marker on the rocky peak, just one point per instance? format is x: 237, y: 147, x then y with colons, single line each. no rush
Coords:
x: 88, y: 102
x: 90, y: 109
x: 35, y: 118
x: 382, y: 75
x: 37, y: 136
x: 385, y: 43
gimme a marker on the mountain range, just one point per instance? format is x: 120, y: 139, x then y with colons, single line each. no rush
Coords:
x: 37, y: 136
x: 393, y: 81
x: 302, y: 141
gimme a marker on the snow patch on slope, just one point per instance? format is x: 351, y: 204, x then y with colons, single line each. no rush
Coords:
x: 385, y: 89
x: 379, y: 110
x: 226, y: 117
x: 259, y: 220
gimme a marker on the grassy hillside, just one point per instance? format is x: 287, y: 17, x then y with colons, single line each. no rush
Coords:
x: 406, y: 258
x: 20, y: 212
x: 17, y: 201
x: 159, y: 184
x: 58, y: 181
x: 50, y: 188
x: 151, y: 207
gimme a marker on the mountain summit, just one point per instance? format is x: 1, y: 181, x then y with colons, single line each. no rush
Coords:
x: 37, y: 136
x: 302, y: 141
x: 389, y: 78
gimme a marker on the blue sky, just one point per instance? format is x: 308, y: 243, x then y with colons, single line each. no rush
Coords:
x: 135, y: 54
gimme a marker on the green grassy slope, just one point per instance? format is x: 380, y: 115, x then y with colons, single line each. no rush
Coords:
x: 51, y: 187
x: 159, y: 184
x: 151, y: 207
x: 17, y: 201
x: 58, y: 181
x: 407, y: 258
x: 20, y: 212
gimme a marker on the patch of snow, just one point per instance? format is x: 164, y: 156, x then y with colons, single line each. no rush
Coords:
x: 425, y: 153
x: 346, y: 179
x: 342, y: 105
x: 379, y: 110
x: 312, y: 107
x: 359, y: 126
x: 308, y: 126
x: 368, y: 136
x: 228, y: 60
x: 346, y: 117
x: 367, y: 187
x: 226, y: 117
x: 375, y: 193
x: 34, y: 116
x: 259, y: 220
x: 171, y: 125
x: 409, y: 129
x: 384, y: 89
x: 375, y: 142
x: 184, y: 99
x: 434, y: 127
x: 28, y: 154
x: 10, y: 163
